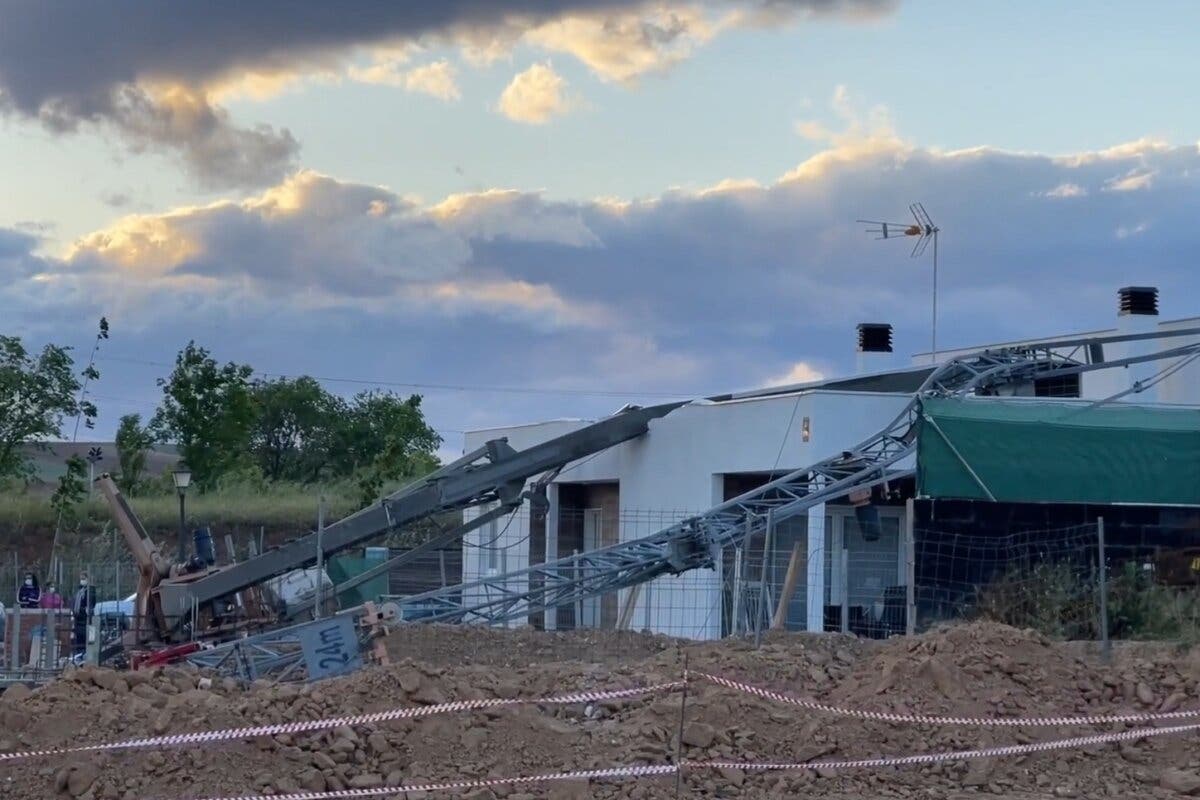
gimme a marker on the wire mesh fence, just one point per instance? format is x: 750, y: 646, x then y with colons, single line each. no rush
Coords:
x: 835, y: 573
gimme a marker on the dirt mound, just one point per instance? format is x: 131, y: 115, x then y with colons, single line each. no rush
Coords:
x: 975, y: 670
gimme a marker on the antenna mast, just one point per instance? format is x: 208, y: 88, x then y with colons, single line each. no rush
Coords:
x: 926, y: 232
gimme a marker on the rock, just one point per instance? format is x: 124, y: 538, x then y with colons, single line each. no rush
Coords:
x: 569, y: 790
x: 429, y: 695
x: 1172, y: 702
x: 323, y: 761
x: 732, y: 776
x: 698, y: 734
x: 366, y: 780
x: 312, y: 781
x: 1180, y: 781
x: 104, y: 678
x: 80, y: 778
x: 378, y: 743
x: 1145, y: 694
x: 16, y: 693
x: 410, y: 680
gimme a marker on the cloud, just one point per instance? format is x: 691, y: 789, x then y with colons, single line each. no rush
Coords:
x: 535, y: 96
x: 1065, y: 190
x: 625, y: 46
x: 687, y: 291
x: 159, y: 84
x: 1132, y: 181
x: 436, y: 79
x: 515, y: 216
x: 800, y: 372
x: 116, y: 199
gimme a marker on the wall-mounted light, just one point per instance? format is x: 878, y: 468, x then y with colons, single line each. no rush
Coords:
x: 805, y: 430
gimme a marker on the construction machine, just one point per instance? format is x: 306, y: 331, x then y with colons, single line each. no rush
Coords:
x: 179, y: 600
x: 201, y: 600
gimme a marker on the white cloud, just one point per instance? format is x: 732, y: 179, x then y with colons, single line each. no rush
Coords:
x: 535, y: 96
x: 1133, y: 181
x: 1065, y: 190
x: 436, y: 79
x: 624, y: 46
x: 800, y: 372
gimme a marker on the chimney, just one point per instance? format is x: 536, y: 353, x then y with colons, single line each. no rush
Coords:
x: 874, y: 347
x: 1137, y: 312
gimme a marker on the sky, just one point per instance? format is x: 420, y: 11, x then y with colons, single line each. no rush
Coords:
x: 530, y: 209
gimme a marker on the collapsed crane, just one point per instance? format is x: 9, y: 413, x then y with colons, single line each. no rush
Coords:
x: 696, y: 542
x: 177, y: 601
x: 180, y: 598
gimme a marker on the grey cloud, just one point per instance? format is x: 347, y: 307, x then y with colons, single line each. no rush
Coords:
x: 78, y: 62
x: 700, y: 292
x: 74, y: 53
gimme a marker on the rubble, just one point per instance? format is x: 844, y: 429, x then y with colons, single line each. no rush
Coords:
x: 969, y: 670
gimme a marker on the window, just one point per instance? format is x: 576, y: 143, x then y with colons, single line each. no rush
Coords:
x: 1061, y: 386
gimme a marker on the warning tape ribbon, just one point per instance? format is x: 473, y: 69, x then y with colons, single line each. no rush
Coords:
x: 481, y: 783
x: 924, y: 719
x: 960, y: 755
x: 201, y: 737
x: 670, y: 769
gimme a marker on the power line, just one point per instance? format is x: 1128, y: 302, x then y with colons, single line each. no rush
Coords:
x: 444, y: 387
x: 135, y: 403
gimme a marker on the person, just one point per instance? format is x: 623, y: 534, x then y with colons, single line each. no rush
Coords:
x: 81, y: 612
x: 51, y: 598
x: 30, y: 594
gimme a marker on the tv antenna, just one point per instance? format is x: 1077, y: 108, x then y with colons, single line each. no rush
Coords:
x: 925, y: 232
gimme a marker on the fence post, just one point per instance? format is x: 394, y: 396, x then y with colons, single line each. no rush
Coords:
x: 760, y: 611
x: 320, y: 556
x: 910, y: 568
x: 1106, y: 645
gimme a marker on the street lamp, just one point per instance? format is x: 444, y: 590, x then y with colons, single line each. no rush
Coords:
x: 183, y: 478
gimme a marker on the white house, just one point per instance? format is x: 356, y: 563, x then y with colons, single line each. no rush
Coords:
x: 709, y: 451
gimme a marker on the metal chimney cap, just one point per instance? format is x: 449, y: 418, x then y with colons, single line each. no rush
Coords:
x: 1138, y: 301
x: 874, y: 337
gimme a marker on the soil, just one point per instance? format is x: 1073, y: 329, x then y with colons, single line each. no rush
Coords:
x: 969, y: 670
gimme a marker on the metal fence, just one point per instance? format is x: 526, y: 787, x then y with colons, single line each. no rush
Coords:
x: 872, y: 580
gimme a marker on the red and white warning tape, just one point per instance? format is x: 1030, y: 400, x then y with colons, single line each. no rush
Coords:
x: 670, y: 769
x: 958, y: 755
x: 203, y: 737
x: 924, y: 719
x: 482, y: 783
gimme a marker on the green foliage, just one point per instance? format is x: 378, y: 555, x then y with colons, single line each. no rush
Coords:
x: 1141, y: 608
x: 209, y: 411
x: 36, y: 394
x: 1062, y: 601
x: 385, y: 439
x: 71, y: 489
x: 133, y: 440
x: 297, y: 429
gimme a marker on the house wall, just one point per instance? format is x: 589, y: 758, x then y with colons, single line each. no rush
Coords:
x: 675, y: 470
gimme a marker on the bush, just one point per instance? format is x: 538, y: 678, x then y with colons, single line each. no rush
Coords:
x: 1062, y: 600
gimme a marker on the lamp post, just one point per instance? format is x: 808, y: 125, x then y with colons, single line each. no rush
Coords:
x: 182, y: 477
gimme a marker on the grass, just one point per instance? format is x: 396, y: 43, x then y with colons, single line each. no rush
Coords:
x: 276, y: 505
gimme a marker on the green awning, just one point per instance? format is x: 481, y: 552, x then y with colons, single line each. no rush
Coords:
x: 1039, y: 452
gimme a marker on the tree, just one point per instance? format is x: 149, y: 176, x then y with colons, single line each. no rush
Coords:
x: 133, y: 440
x: 71, y: 489
x: 296, y: 430
x: 208, y: 410
x: 36, y: 394
x: 385, y: 438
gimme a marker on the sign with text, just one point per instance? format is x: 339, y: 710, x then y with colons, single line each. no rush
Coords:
x: 330, y: 647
